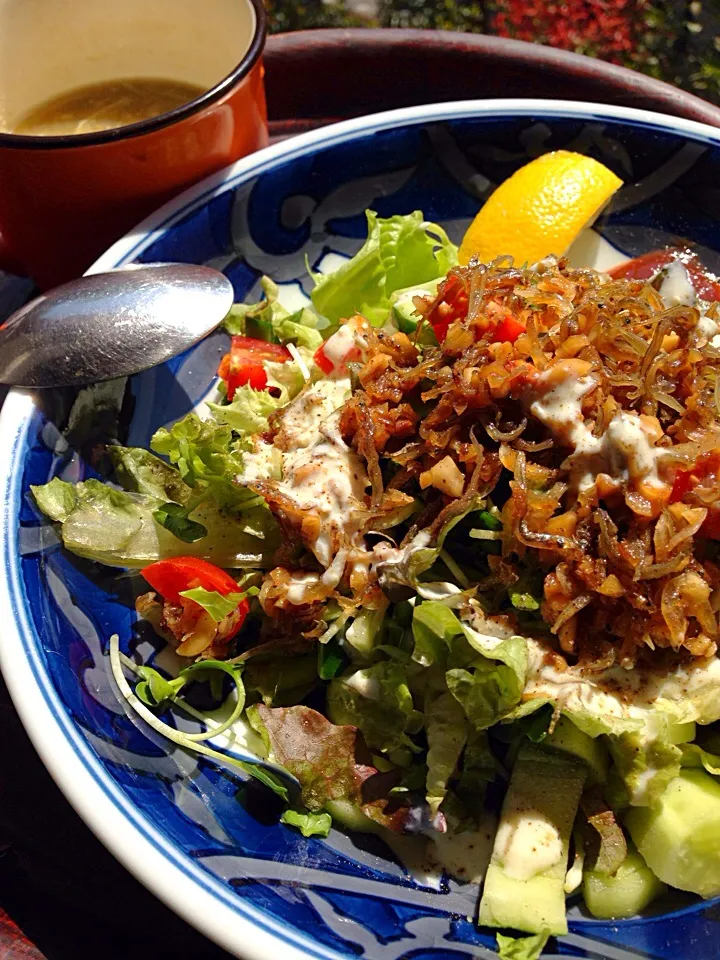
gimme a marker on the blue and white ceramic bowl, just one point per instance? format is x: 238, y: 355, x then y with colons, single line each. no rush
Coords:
x: 260, y: 890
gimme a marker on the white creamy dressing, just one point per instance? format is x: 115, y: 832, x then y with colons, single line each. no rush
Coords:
x: 385, y: 553
x: 492, y: 630
x: 526, y: 843
x: 638, y: 694
x: 624, y: 452
x: 299, y: 586
x: 366, y: 685
x: 629, y: 451
x: 303, y: 417
x: 708, y: 329
x: 441, y: 591
x: 465, y: 856
x: 264, y: 463
x: 319, y: 472
x: 340, y: 344
x: 326, y: 478
x: 560, y: 408
x: 676, y: 289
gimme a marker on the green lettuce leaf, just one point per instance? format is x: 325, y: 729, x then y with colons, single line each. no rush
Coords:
x: 209, y: 459
x: 309, y: 824
x: 646, y: 765
x: 56, y: 499
x: 331, y: 763
x: 486, y: 674
x: 586, y: 717
x: 249, y: 411
x: 435, y: 628
x: 378, y: 701
x: 139, y: 471
x: 521, y: 948
x: 695, y: 756
x: 490, y: 690
x: 118, y: 528
x: 419, y: 555
x: 643, y: 741
x: 479, y: 768
x: 401, y: 251
x: 218, y: 605
x: 447, y: 732
x: 269, y: 320
x: 365, y: 631
x: 205, y: 453
x: 176, y: 519
x: 642, y: 751
x: 282, y: 681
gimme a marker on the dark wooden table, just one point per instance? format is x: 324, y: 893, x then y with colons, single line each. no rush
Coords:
x: 62, y: 896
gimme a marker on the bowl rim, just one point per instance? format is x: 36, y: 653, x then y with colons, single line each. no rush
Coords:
x: 314, y: 49
x: 210, y: 906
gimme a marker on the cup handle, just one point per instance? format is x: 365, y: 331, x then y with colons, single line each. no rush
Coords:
x: 7, y: 261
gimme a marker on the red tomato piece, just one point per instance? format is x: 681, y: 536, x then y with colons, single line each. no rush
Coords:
x: 322, y: 360
x: 508, y: 330
x: 686, y: 481
x: 683, y: 484
x: 452, y: 306
x: 706, y: 284
x: 171, y: 577
x: 244, y: 364
x: 440, y: 330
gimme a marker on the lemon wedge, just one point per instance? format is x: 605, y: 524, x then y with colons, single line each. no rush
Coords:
x: 540, y: 209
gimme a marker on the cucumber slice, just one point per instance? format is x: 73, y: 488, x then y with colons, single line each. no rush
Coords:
x: 403, y: 309
x: 592, y: 751
x: 625, y: 893
x: 350, y: 816
x: 679, y: 836
x: 682, y: 732
x: 524, y: 886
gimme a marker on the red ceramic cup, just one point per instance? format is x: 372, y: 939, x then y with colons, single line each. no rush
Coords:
x: 64, y: 199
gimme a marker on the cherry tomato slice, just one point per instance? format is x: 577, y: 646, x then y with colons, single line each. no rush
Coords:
x: 171, y: 577
x: 706, y: 285
x: 244, y: 364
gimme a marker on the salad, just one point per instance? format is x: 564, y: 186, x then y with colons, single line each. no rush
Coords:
x: 446, y: 548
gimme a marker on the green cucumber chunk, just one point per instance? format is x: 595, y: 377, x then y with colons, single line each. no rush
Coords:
x: 403, y: 309
x: 591, y: 750
x: 624, y: 893
x: 524, y: 885
x: 350, y: 816
x: 679, y: 836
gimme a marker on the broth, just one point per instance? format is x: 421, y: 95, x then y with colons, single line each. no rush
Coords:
x: 103, y: 106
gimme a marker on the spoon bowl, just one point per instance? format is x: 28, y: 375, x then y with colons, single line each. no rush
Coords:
x: 110, y: 325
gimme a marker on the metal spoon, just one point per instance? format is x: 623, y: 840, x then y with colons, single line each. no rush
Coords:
x: 111, y: 325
